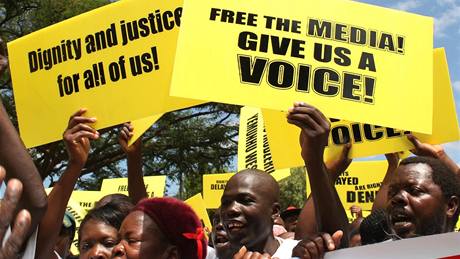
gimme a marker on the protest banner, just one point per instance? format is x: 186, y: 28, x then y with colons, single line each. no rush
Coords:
x: 424, y: 247
x: 359, y: 184
x: 269, y: 54
x: 141, y: 126
x: 198, y: 205
x: 154, y: 185
x: 366, y: 139
x: 116, y: 61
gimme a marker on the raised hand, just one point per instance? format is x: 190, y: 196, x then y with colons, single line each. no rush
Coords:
x: 21, y: 224
x: 76, y: 138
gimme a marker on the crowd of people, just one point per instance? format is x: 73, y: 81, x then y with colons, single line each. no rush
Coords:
x: 419, y: 196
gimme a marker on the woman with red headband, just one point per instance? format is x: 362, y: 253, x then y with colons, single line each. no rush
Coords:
x: 160, y: 228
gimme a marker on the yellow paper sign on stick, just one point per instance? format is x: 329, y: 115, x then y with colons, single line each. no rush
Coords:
x: 359, y: 184
x: 142, y: 125
x: 154, y: 185
x: 368, y: 140
x: 213, y: 188
x: 116, y: 61
x: 271, y: 53
x: 198, y: 205
x: 253, y: 148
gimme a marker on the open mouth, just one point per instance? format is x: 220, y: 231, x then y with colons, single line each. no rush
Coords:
x: 401, y: 221
x: 234, y: 226
x: 221, y: 242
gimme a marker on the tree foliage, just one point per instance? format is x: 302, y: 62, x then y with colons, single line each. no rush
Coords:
x: 293, y: 189
x: 182, y: 145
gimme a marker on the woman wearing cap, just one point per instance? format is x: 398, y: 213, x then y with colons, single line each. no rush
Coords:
x: 161, y: 228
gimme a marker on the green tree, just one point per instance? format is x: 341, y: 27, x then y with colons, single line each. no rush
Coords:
x: 293, y: 189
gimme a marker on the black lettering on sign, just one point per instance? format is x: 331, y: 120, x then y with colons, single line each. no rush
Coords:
x: 361, y: 196
x: 152, y: 24
x: 45, y: 59
x: 357, y: 133
x: 355, y: 35
x: 282, y: 24
x: 268, y: 162
x: 229, y: 16
x: 251, y: 133
x: 251, y: 72
x: 347, y: 181
x: 271, y: 43
x: 282, y: 75
x: 101, y: 40
x: 217, y: 186
x: 95, y: 76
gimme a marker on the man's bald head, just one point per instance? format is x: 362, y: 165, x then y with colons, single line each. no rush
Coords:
x: 249, y: 207
x: 261, y: 182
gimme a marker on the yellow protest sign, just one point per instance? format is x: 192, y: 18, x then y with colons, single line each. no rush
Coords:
x: 253, y: 148
x: 78, y: 214
x: 142, y: 125
x: 154, y: 185
x: 116, y: 61
x: 87, y: 199
x: 198, y: 205
x: 213, y: 188
x: 359, y: 184
x: 271, y: 53
x: 366, y: 139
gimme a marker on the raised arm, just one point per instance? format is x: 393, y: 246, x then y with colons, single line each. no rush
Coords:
x: 381, y: 197
x: 136, y: 186
x: 77, y: 138
x: 18, y: 164
x: 435, y: 151
x: 20, y: 224
x: 306, y: 225
x: 315, y: 128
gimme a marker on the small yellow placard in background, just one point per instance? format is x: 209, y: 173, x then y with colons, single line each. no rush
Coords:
x: 154, y: 185
x: 359, y: 184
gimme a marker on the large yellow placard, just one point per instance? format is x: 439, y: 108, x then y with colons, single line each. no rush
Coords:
x: 354, y: 61
x: 366, y: 139
x: 154, y: 185
x: 116, y: 61
x: 359, y: 184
